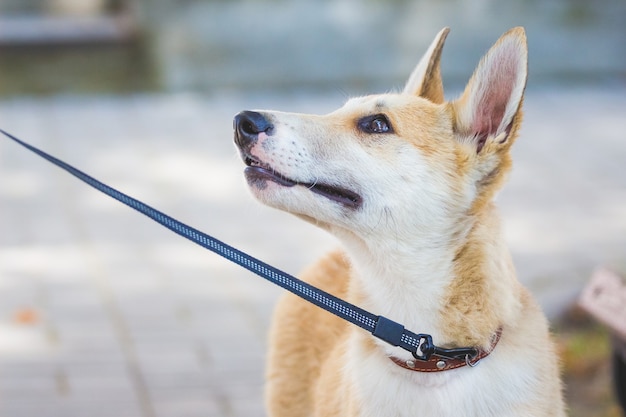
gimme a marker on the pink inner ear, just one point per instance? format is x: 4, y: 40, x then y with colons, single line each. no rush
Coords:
x: 489, y: 118
x: 495, y: 92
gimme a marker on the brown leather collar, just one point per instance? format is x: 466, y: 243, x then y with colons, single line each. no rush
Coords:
x: 437, y: 364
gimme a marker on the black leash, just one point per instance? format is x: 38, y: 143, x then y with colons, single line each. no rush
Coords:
x: 420, y: 345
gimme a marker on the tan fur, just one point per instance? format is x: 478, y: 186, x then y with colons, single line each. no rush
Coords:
x: 292, y: 364
x: 423, y: 246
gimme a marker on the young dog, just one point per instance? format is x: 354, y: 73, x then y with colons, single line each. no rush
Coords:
x: 406, y: 181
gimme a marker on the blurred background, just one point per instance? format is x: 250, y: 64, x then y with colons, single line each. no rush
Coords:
x: 103, y: 313
x: 53, y: 46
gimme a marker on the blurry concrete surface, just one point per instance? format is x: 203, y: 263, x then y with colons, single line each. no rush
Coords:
x: 105, y: 313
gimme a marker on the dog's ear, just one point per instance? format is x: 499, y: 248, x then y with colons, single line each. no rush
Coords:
x: 425, y: 80
x: 489, y: 109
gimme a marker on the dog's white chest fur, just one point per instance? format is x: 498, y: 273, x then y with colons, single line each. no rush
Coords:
x: 486, y: 390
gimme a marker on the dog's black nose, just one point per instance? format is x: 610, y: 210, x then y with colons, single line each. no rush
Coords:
x: 248, y: 125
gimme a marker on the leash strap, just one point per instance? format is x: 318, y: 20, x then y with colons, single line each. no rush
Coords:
x: 420, y: 345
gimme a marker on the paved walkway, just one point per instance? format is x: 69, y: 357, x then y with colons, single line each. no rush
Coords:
x: 103, y: 313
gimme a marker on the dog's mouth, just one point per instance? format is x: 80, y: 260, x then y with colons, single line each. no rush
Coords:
x: 258, y: 172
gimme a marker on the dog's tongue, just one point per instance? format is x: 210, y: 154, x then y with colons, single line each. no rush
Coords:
x: 263, y: 173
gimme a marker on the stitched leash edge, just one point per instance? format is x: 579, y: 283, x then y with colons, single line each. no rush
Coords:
x: 420, y: 345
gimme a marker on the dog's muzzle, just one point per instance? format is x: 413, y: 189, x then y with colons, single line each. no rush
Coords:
x: 248, y: 126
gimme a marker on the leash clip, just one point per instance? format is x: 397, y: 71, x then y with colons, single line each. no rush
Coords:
x: 425, y: 349
x: 468, y: 354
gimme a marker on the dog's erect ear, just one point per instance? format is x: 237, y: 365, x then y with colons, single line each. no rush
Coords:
x: 489, y: 106
x: 425, y: 80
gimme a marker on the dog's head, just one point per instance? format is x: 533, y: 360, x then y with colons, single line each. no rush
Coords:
x: 400, y: 163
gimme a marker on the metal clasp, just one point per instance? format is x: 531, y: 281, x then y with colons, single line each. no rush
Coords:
x: 426, y: 348
x: 464, y: 353
x: 468, y: 361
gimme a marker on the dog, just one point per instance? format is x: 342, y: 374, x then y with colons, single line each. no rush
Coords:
x: 406, y: 181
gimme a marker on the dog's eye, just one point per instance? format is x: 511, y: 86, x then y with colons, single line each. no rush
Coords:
x: 375, y: 124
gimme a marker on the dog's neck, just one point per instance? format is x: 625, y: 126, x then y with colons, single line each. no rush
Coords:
x: 449, y: 292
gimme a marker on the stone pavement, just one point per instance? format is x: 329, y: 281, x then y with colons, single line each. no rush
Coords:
x: 104, y: 313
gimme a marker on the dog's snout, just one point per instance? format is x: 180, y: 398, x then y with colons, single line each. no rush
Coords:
x: 248, y: 125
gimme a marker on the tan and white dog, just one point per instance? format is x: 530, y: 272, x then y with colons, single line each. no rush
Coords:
x: 406, y: 181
